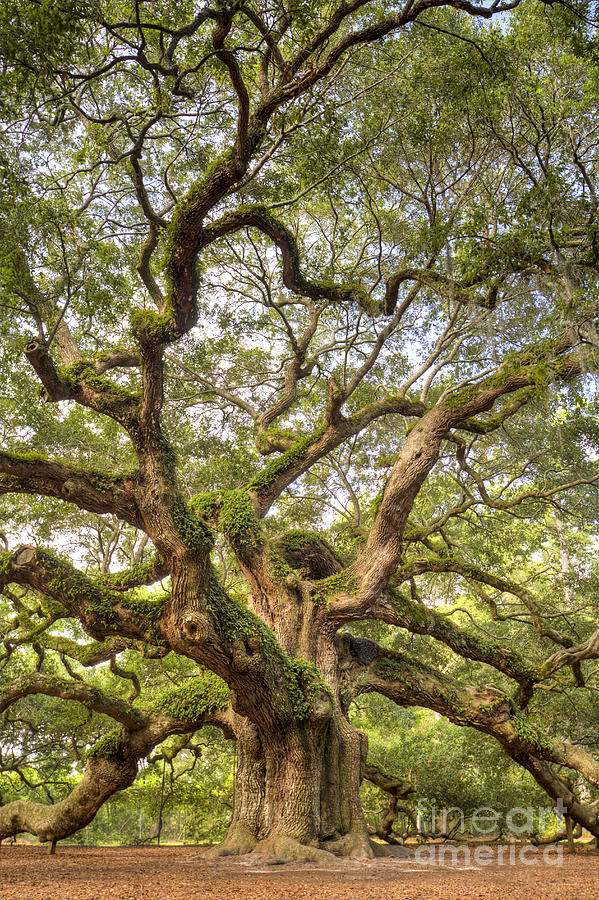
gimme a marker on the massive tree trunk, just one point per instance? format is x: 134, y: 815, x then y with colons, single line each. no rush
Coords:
x: 297, y: 792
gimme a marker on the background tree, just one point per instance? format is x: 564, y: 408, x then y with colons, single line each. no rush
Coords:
x: 358, y: 239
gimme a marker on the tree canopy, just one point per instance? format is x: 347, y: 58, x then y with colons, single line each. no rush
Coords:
x: 299, y: 334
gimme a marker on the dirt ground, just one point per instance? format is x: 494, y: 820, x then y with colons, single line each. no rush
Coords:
x: 175, y: 873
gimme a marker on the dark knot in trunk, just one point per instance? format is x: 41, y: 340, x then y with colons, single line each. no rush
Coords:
x: 309, y: 554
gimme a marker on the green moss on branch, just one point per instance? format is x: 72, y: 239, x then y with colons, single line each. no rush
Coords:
x: 527, y: 732
x: 190, y: 702
x: 276, y: 467
x: 153, y: 327
x: 341, y: 583
x: 94, y: 598
x: 298, y: 538
x: 237, y: 518
x: 194, y: 532
x: 110, y: 395
x: 110, y: 746
x: 292, y: 683
x: 207, y: 504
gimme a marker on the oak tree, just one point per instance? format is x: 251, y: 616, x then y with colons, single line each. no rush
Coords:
x: 299, y: 310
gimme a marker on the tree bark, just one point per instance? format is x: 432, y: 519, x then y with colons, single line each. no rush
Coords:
x: 297, y: 793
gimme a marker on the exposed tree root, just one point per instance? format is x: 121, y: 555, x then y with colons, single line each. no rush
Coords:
x: 237, y: 842
x: 354, y: 845
x: 277, y: 849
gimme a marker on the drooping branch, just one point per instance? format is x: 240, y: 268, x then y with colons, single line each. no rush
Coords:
x: 398, y: 610
x: 585, y: 813
x: 89, y: 696
x: 409, y: 682
x: 101, y: 611
x: 103, y: 778
x: 417, y: 618
x: 397, y: 788
x: 88, y: 489
x: 112, y: 762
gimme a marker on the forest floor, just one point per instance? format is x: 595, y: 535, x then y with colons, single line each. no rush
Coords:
x: 175, y: 873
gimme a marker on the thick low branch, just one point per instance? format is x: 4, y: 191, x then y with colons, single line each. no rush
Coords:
x: 89, y: 696
x: 396, y: 609
x: 409, y: 683
x: 557, y: 836
x: 102, y: 778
